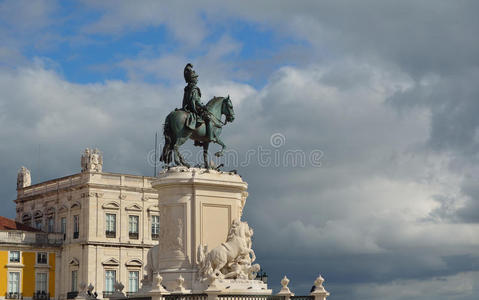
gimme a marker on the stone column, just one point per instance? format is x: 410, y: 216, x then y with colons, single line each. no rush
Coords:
x: 197, y: 207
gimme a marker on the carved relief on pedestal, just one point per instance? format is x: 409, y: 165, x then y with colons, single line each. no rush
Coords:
x: 171, y: 234
x: 24, y: 178
x: 91, y: 161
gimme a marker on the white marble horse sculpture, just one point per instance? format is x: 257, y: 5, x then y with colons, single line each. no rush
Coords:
x: 237, y: 245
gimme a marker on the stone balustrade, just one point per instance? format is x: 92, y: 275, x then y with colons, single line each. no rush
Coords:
x: 31, y: 238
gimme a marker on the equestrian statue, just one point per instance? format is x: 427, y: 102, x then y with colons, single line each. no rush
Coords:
x: 195, y: 120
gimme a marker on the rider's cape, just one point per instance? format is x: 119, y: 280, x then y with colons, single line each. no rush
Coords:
x: 189, y: 105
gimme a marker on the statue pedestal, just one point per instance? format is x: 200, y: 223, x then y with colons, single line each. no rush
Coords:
x: 197, y: 207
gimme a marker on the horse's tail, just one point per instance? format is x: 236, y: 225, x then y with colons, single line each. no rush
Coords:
x: 168, y: 147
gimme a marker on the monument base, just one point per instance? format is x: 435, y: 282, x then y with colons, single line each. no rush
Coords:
x: 242, y: 287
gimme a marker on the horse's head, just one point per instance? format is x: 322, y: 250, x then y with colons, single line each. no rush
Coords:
x: 227, y: 109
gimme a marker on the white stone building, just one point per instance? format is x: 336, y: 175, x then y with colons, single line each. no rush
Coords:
x: 109, y: 222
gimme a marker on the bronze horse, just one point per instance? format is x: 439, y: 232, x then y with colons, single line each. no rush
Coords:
x: 177, y: 133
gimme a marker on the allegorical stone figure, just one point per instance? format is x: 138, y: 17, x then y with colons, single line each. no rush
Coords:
x: 24, y: 178
x: 92, y: 161
x: 232, y: 259
x: 192, y: 103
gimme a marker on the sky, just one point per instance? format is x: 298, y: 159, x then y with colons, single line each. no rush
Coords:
x: 356, y: 123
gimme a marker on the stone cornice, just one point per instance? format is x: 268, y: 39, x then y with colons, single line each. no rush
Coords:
x: 115, y: 244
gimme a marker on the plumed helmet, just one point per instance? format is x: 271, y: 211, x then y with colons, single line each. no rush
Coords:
x: 189, y: 73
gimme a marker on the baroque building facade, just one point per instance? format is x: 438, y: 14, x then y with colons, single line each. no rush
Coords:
x: 107, y: 221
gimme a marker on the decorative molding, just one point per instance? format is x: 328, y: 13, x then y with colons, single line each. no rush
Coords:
x: 134, y: 207
x: 50, y: 210
x: 37, y: 214
x: 75, y: 205
x: 153, y: 208
x: 74, y: 262
x: 26, y: 216
x: 111, y: 205
x: 134, y: 263
x: 122, y: 196
x: 111, y: 262
x: 62, y: 208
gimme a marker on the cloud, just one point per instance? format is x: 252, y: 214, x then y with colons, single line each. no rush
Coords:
x: 385, y: 90
x: 119, y: 16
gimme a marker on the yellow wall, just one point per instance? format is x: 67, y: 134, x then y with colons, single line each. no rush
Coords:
x: 51, y: 274
x: 28, y: 259
x: 3, y: 272
x: 28, y: 277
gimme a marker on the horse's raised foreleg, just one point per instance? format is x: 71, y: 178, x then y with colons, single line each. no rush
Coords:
x: 223, y: 147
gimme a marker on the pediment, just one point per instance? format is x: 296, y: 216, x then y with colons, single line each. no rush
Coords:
x: 62, y: 208
x: 111, y: 262
x: 37, y: 214
x: 74, y: 262
x: 134, y: 207
x: 50, y: 211
x: 134, y: 263
x: 111, y: 205
x: 75, y: 205
x: 26, y: 217
x: 153, y: 208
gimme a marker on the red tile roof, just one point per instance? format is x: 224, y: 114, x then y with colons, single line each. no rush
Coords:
x: 9, y: 224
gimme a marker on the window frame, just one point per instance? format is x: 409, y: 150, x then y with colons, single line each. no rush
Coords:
x: 51, y: 224
x: 10, y: 256
x: 37, y: 282
x: 132, y: 234
x: 108, y: 232
x: 137, y: 281
x: 37, y: 223
x: 155, y: 227
x: 38, y: 256
x: 106, y: 281
x: 74, y: 283
x: 9, y: 290
x: 76, y: 226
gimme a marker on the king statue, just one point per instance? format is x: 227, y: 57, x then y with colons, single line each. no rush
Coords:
x: 192, y: 103
x: 197, y: 121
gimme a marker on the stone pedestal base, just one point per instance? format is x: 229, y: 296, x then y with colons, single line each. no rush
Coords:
x: 242, y: 287
x: 197, y: 207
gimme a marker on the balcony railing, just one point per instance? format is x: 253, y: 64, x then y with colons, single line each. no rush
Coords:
x: 72, y: 295
x: 155, y: 236
x: 31, y: 238
x: 110, y: 234
x: 41, y: 296
x: 186, y: 297
x: 14, y: 295
x: 133, y: 235
x: 107, y: 294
